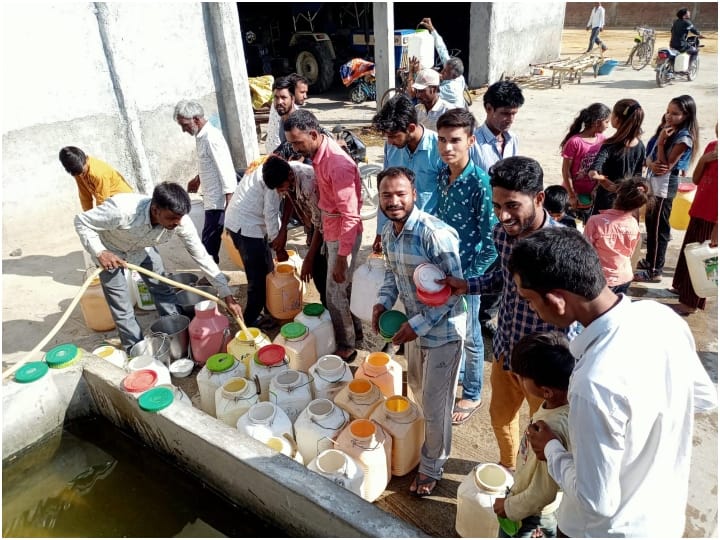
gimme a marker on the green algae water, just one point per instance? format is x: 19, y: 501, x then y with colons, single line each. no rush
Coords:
x: 92, y: 480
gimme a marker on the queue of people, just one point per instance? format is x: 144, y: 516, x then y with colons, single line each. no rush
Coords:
x: 462, y: 197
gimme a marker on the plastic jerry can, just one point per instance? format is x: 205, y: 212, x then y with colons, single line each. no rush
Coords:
x: 286, y: 446
x: 328, y: 375
x: 284, y: 292
x: 421, y: 45
x: 216, y: 372
x: 359, y: 398
x: 702, y: 263
x: 234, y: 398
x: 402, y: 419
x: 476, y: 495
x: 371, y: 446
x: 317, y: 426
x: 179, y: 395
x: 382, y: 370
x: 141, y: 293
x: 243, y: 347
x: 290, y: 390
x: 209, y: 331
x: 146, y: 361
x: 267, y: 362
x: 337, y: 466
x: 680, y: 211
x: 115, y: 356
x: 299, y: 345
x: 95, y: 308
x: 317, y: 319
x: 366, y: 282
x: 264, y: 420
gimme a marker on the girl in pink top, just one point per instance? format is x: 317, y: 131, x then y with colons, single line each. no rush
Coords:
x: 615, y: 233
x: 579, y: 147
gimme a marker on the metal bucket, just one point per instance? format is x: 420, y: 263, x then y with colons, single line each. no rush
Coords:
x: 176, y: 328
x: 157, y: 346
x: 186, y: 278
x: 186, y: 300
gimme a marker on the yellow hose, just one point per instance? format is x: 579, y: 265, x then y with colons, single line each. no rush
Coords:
x: 28, y: 357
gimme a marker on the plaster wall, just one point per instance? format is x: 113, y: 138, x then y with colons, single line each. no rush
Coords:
x: 505, y: 37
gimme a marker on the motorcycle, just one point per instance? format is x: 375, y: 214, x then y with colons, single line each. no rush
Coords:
x: 356, y: 149
x: 358, y: 76
x: 670, y: 63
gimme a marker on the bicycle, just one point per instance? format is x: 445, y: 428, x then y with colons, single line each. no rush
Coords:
x: 642, y: 53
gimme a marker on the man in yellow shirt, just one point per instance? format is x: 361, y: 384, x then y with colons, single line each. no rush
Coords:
x: 95, y: 179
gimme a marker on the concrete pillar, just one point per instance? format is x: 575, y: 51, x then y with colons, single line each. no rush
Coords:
x: 231, y: 81
x: 383, y: 31
x: 121, y: 74
x: 479, y: 55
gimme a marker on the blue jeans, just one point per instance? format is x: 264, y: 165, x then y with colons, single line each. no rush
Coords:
x: 258, y: 263
x: 594, y: 38
x: 546, y: 523
x: 473, y: 355
x: 116, y: 291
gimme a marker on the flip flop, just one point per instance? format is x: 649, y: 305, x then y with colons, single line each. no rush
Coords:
x: 469, y: 411
x: 349, y: 358
x: 424, y: 482
x: 643, y: 276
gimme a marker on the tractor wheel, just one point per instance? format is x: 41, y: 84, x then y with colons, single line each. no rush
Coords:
x: 315, y: 63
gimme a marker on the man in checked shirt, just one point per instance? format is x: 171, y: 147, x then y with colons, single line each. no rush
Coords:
x: 434, y: 335
x: 517, y: 193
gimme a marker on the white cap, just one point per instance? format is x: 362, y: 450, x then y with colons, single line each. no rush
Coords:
x: 427, y: 77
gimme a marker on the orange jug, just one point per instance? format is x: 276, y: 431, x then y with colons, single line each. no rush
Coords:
x: 95, y: 308
x: 371, y: 446
x: 359, y: 398
x: 382, y: 370
x: 402, y: 419
x: 284, y: 295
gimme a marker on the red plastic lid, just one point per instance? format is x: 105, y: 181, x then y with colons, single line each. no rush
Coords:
x: 270, y: 355
x: 686, y: 187
x: 434, y: 299
x: 140, y: 380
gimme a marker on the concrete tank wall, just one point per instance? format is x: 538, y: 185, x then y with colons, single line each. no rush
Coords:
x: 505, y: 37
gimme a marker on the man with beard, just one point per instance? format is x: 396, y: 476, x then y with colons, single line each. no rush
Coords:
x: 289, y: 94
x: 127, y: 227
x: 338, y: 183
x: 216, y: 171
x: 517, y: 193
x: 409, y: 144
x: 433, y: 335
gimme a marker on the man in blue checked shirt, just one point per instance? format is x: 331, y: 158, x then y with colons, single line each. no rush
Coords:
x: 465, y: 203
x: 433, y: 335
x: 408, y: 144
x: 517, y: 193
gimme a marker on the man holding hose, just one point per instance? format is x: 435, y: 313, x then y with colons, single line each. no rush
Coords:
x: 126, y: 228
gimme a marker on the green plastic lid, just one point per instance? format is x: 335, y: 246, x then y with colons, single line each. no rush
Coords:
x: 155, y: 399
x: 390, y: 322
x: 313, y: 310
x: 32, y: 371
x: 220, y: 362
x: 62, y: 355
x: 293, y: 330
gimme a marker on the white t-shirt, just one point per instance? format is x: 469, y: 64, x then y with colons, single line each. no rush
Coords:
x: 215, y: 167
x: 636, y: 386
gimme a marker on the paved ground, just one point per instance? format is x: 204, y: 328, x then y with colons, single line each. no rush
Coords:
x: 40, y: 283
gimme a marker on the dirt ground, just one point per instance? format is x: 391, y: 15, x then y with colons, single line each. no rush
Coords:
x: 39, y: 284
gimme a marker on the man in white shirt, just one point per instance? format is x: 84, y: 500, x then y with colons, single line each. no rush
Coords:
x: 452, y: 82
x: 253, y: 223
x: 633, y: 393
x: 126, y: 228
x: 431, y: 106
x: 216, y: 172
x: 595, y: 23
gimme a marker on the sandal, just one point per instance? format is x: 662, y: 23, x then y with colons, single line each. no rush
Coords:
x: 469, y: 411
x: 644, y: 276
x: 419, y: 482
x: 643, y: 265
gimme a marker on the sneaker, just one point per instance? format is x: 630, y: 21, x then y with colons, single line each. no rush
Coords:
x: 604, y: 48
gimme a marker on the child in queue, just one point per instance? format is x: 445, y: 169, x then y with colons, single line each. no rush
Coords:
x: 621, y: 156
x: 669, y: 153
x: 615, y: 233
x: 556, y: 203
x: 579, y: 148
x: 542, y: 363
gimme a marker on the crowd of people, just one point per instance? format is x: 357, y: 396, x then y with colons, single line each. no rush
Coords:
x: 462, y: 196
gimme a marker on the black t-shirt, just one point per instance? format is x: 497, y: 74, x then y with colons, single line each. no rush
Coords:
x: 679, y: 33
